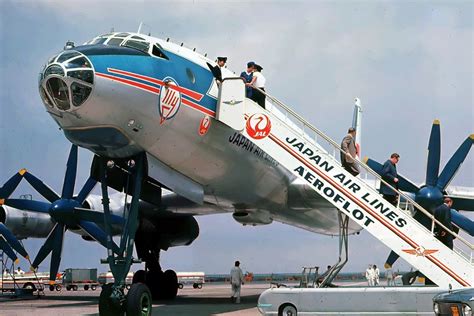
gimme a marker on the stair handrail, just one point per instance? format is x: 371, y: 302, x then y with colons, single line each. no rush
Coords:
x: 305, y: 123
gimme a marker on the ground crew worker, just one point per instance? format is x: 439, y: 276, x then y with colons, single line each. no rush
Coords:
x: 376, y: 275
x: 389, y: 276
x: 236, y: 281
x: 370, y: 275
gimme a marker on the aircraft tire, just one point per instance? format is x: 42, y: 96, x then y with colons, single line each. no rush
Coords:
x: 139, y: 277
x: 139, y: 300
x: 154, y: 281
x: 106, y: 306
x: 170, y: 282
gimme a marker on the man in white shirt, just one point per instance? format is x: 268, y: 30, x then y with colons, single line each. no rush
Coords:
x: 236, y: 281
x: 370, y: 275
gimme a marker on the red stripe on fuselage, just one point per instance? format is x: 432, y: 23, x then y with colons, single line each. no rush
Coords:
x: 198, y: 107
x: 192, y: 94
x: 142, y: 86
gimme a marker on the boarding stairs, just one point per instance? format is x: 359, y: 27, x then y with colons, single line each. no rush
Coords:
x: 285, y: 136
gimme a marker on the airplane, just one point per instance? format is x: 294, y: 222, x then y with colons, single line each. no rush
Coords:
x: 146, y: 108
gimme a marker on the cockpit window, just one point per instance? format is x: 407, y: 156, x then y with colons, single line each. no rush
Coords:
x: 142, y: 46
x: 54, y: 70
x: 45, y: 97
x: 67, y: 55
x: 78, y: 63
x: 158, y: 52
x: 115, y: 41
x: 84, y: 75
x: 138, y: 38
x: 79, y: 93
x: 121, y: 35
x: 60, y: 93
x: 99, y: 40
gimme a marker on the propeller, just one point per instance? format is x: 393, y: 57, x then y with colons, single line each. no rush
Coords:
x: 66, y: 211
x: 9, y: 243
x: 431, y: 194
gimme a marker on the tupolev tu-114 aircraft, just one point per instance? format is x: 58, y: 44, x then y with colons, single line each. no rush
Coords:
x: 150, y: 111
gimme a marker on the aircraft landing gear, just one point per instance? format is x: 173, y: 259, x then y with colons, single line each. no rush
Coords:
x: 113, y: 300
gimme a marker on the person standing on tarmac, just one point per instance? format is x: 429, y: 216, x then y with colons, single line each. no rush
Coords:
x: 376, y: 275
x: 349, y: 152
x: 389, y: 174
x: 370, y: 275
x: 236, y: 281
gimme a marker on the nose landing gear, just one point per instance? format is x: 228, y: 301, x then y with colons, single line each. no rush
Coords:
x: 113, y: 299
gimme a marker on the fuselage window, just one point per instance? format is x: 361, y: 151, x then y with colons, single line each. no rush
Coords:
x: 190, y: 75
x: 142, y: 46
x: 115, y: 41
x: 156, y: 51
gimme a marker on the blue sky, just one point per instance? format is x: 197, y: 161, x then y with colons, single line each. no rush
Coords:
x: 409, y: 62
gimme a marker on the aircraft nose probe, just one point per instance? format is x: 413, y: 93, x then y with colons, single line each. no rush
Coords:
x: 66, y: 81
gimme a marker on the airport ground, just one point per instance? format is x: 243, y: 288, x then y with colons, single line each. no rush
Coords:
x: 212, y: 299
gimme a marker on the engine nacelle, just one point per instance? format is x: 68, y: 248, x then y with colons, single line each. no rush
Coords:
x: 25, y: 224
x: 166, y: 231
x: 254, y: 218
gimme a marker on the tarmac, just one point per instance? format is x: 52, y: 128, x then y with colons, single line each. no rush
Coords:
x: 210, y: 300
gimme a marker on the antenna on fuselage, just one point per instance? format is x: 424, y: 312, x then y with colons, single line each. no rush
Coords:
x: 140, y: 27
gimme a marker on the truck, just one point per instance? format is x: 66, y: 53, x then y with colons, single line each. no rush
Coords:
x: 73, y: 279
x: 107, y: 277
x: 194, y: 278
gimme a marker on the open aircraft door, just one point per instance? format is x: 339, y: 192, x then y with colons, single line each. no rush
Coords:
x: 230, y: 105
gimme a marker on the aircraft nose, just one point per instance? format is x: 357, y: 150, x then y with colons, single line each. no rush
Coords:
x: 66, y: 81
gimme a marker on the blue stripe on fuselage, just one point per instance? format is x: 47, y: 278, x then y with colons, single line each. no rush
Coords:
x: 176, y: 67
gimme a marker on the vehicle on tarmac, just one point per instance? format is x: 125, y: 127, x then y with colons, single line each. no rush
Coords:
x: 108, y: 277
x: 454, y: 303
x: 28, y: 280
x: 196, y: 279
x: 74, y: 279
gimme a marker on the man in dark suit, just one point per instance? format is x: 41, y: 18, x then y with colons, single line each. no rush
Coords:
x: 389, y: 174
x: 443, y: 214
x: 216, y: 70
x: 247, y: 76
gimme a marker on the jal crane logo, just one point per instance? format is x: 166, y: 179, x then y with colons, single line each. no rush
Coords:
x: 170, y: 100
x: 258, y: 126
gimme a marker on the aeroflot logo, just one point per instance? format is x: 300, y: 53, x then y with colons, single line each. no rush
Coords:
x: 169, y: 101
x: 258, y: 126
x: 420, y: 251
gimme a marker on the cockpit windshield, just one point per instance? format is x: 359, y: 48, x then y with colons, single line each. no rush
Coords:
x: 131, y: 41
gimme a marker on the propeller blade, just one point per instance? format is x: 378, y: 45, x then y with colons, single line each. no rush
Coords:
x: 434, y: 152
x: 29, y: 205
x: 8, y: 250
x: 47, y: 246
x: 86, y: 189
x: 97, y: 217
x: 463, y: 203
x: 11, y: 184
x: 462, y: 222
x: 57, y: 251
x: 70, y: 177
x: 11, y: 239
x: 403, y: 183
x: 98, y: 234
x: 454, y: 163
x: 42, y: 188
